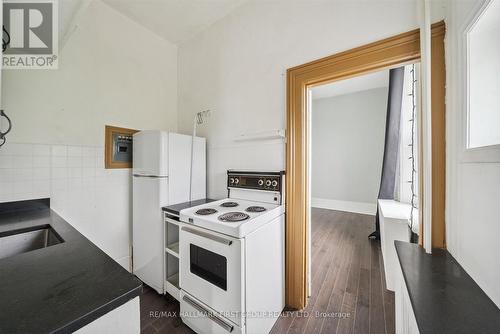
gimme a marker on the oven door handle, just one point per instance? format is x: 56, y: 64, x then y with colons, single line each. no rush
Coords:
x: 209, y: 314
x: 208, y: 236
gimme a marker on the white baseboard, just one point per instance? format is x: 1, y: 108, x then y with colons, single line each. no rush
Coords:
x: 356, y: 207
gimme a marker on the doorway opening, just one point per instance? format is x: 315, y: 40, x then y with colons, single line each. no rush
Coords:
x: 397, y: 51
x: 364, y: 167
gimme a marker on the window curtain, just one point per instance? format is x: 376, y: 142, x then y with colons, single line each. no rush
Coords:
x: 388, y: 182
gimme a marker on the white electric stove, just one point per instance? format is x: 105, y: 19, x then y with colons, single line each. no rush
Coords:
x: 233, y: 216
x: 232, y: 257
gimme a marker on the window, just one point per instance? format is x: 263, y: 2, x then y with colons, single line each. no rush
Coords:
x: 483, y: 121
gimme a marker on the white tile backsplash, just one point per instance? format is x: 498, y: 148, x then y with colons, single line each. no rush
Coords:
x: 59, y: 150
x: 74, y: 151
x: 7, y: 174
x: 74, y: 161
x: 88, y: 172
x: 21, y: 149
x: 41, y: 150
x: 96, y: 201
x: 23, y: 188
x: 58, y: 185
x: 59, y: 173
x: 41, y: 161
x: 59, y: 161
x: 6, y: 161
x: 89, y: 161
x: 22, y: 161
x: 89, y: 151
x: 30, y: 171
x: 41, y: 188
x: 6, y: 188
x: 41, y: 173
x: 23, y: 174
x: 75, y: 172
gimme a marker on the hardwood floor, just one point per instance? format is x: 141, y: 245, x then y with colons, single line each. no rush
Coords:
x: 348, y: 285
x: 160, y: 314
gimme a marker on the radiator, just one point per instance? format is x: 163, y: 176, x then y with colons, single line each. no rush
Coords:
x: 394, y: 217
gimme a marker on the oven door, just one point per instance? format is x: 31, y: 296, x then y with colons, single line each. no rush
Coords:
x: 211, y: 270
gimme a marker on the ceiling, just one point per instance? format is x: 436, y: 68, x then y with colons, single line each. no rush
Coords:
x: 67, y: 11
x: 352, y: 85
x: 175, y: 20
x: 489, y: 19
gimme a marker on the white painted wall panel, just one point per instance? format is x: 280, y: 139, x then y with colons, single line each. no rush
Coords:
x: 348, y: 134
x: 112, y: 71
x: 125, y: 319
x: 472, y: 218
x: 237, y: 68
x: 406, y: 323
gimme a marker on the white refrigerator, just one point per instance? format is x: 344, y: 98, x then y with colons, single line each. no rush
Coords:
x: 161, y: 163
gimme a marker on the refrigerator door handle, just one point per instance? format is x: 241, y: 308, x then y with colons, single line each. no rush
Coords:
x: 150, y: 176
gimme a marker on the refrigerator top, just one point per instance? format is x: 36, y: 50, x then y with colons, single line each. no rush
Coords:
x: 150, y: 153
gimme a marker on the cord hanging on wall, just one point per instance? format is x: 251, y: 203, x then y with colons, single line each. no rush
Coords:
x: 9, y: 127
x: 5, y: 44
x: 6, y: 40
x: 199, y: 119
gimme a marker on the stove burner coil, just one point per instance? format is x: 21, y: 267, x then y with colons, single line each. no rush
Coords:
x: 205, y: 212
x: 255, y: 209
x: 233, y: 217
x: 229, y: 204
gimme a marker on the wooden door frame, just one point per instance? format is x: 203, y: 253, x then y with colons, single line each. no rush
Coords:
x: 388, y: 53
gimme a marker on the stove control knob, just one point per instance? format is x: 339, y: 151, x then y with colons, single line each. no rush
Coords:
x: 261, y: 182
x: 268, y: 183
x: 275, y: 183
x: 231, y: 180
x: 236, y: 181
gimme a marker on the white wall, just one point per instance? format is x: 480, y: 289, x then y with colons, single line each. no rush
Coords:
x: 473, y: 185
x: 347, y: 148
x: 484, y: 66
x: 112, y: 71
x: 238, y: 66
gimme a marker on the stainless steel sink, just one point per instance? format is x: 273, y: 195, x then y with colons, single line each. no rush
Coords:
x: 24, y: 241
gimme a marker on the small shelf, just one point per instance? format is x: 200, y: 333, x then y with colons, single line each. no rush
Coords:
x: 173, y: 249
x: 171, y: 239
x: 263, y: 135
x: 174, y: 280
x: 172, y: 286
x: 169, y: 220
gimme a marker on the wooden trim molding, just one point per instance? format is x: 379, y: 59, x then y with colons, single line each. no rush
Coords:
x: 391, y: 52
x: 438, y: 107
x: 109, y: 147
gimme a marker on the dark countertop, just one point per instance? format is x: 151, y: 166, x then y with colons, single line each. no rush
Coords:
x: 61, y: 288
x: 444, y: 297
x: 176, y: 208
